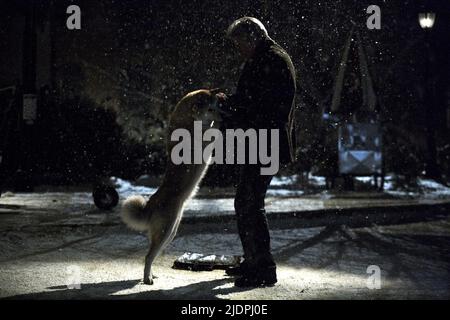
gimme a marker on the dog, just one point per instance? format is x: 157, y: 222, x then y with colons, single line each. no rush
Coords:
x: 160, y: 215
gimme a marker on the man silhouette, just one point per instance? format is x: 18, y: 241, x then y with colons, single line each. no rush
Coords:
x: 264, y: 99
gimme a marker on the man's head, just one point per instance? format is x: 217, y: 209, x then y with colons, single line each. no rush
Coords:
x: 245, y: 33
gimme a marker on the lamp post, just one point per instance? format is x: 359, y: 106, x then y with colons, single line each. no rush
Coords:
x: 24, y: 175
x: 426, y: 21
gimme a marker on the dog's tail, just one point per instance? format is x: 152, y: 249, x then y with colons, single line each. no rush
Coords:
x: 134, y: 214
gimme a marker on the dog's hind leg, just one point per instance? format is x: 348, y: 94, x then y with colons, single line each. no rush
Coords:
x: 158, y: 243
x: 173, y: 233
x: 156, y: 246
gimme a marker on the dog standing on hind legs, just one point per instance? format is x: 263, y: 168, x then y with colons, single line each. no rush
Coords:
x: 160, y: 216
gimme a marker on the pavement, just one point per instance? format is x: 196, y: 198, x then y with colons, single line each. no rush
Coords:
x: 57, y: 245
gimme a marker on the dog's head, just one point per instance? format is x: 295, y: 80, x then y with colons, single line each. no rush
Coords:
x: 205, y: 106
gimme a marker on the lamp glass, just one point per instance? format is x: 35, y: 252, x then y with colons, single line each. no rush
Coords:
x: 426, y: 20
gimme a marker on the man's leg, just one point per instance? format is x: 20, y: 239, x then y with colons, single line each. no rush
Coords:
x: 252, y: 223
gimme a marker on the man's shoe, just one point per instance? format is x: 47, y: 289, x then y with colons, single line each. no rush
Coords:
x: 237, y: 271
x: 262, y: 277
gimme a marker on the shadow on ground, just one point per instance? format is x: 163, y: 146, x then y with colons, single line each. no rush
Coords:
x: 203, y: 290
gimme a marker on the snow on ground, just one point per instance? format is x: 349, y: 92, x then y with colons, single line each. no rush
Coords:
x: 316, y: 181
x: 433, y: 186
x: 281, y: 186
x: 426, y: 188
x: 284, y: 193
x: 126, y: 188
x: 284, y: 196
x: 283, y: 180
x: 287, y: 186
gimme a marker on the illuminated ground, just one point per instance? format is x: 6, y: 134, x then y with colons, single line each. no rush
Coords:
x: 45, y: 236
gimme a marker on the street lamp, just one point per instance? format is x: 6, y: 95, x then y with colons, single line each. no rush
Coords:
x: 426, y: 21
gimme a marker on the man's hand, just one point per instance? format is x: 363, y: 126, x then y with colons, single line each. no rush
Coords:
x: 222, y: 97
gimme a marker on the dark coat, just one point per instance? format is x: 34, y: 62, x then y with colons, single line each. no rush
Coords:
x: 265, y: 96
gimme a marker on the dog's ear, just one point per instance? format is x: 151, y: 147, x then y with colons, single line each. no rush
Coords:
x: 214, y: 91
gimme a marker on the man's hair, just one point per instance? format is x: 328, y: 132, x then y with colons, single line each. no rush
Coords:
x: 247, y: 27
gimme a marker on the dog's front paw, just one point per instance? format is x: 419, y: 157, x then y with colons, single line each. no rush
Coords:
x: 148, y: 281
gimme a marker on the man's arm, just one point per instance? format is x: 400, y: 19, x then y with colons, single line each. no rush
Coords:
x: 262, y: 96
x: 233, y: 109
x: 272, y: 100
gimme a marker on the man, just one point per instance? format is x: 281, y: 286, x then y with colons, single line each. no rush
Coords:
x: 264, y: 99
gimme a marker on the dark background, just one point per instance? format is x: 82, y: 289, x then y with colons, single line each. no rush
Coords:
x: 105, y: 91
